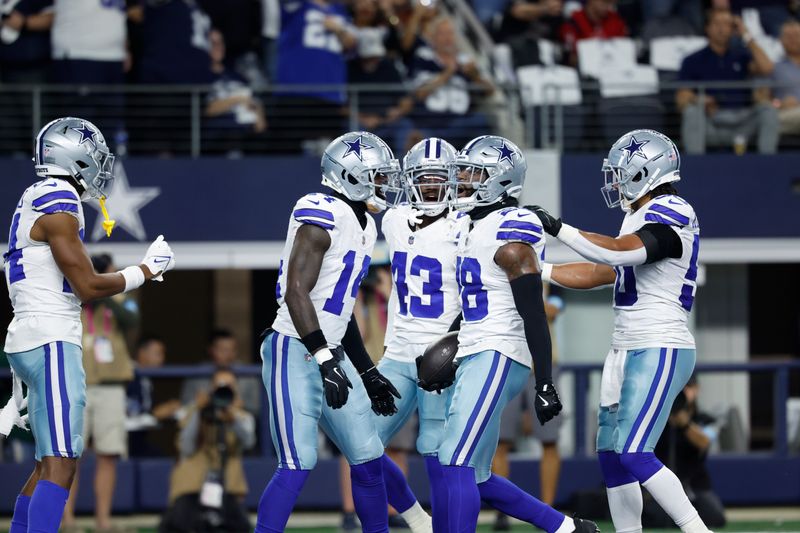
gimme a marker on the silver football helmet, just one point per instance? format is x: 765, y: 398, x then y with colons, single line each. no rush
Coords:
x: 637, y: 163
x: 76, y: 148
x: 426, y: 173
x: 362, y: 167
x: 489, y: 169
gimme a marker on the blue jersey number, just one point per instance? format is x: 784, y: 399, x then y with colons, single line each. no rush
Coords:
x: 335, y: 303
x: 431, y: 288
x: 625, y: 294
x: 15, y: 270
x: 687, y: 291
x: 474, y: 298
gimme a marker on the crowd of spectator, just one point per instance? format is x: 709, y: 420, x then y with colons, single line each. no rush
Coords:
x: 424, y: 80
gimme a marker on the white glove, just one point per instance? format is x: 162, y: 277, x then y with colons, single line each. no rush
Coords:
x: 414, y: 217
x: 159, y: 258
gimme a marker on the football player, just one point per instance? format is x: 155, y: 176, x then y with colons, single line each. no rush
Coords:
x: 305, y: 372
x: 653, y: 267
x: 424, y: 305
x: 49, y: 274
x: 503, y: 332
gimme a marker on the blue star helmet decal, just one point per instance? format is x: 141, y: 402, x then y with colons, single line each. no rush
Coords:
x: 634, y: 148
x: 355, y: 147
x: 504, y: 153
x: 87, y: 133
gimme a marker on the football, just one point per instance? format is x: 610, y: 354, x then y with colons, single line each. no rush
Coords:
x: 435, y: 370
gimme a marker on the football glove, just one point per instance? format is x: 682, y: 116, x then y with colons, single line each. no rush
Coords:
x: 547, y: 403
x: 381, y: 391
x: 159, y: 258
x: 437, y: 386
x: 551, y: 224
x: 335, y: 383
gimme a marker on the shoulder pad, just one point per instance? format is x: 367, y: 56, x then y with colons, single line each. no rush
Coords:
x: 317, y: 209
x: 669, y: 209
x: 519, y: 224
x: 53, y: 196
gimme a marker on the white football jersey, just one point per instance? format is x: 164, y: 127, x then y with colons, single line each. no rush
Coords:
x: 45, y: 308
x: 89, y: 29
x: 343, y: 267
x: 424, y: 299
x: 491, y: 320
x: 652, y: 302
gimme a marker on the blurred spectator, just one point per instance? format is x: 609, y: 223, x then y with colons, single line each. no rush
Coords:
x: 725, y: 117
x: 786, y: 76
x: 25, y: 42
x: 208, y: 485
x: 663, y: 12
x: 683, y: 448
x: 238, y: 22
x: 382, y: 112
x: 175, y: 43
x: 24, y: 58
x: 417, y: 16
x: 233, y: 114
x: 315, y: 36
x: 270, y: 30
x: 597, y: 20
x: 488, y: 10
x: 771, y: 13
x: 518, y: 418
x: 108, y: 368
x: 370, y: 16
x: 223, y: 352
x: 539, y: 19
x: 142, y: 415
x: 442, y: 76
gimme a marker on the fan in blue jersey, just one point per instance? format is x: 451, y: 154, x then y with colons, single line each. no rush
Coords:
x: 503, y: 334
x: 49, y: 274
x: 308, y: 379
x: 653, y: 267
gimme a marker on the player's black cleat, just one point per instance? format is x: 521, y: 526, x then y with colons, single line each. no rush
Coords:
x: 585, y: 526
x: 335, y: 383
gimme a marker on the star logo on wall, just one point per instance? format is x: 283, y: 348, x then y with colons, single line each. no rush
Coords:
x: 124, y: 205
x: 355, y: 147
x: 635, y: 148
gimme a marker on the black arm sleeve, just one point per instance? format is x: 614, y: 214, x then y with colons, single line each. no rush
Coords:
x: 527, y: 292
x: 456, y: 325
x: 353, y: 346
x: 660, y: 241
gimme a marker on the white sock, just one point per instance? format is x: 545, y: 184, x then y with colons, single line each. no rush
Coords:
x: 417, y: 519
x: 625, y: 503
x: 666, y: 489
x: 567, y: 526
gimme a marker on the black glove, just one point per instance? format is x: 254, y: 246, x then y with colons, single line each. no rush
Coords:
x: 551, y: 224
x: 547, y: 403
x: 437, y: 386
x: 381, y: 391
x: 335, y: 383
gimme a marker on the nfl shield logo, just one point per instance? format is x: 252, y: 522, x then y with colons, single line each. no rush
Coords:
x: 410, y: 239
x: 363, y: 240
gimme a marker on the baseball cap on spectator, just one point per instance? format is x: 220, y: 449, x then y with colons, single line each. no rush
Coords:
x: 370, y: 42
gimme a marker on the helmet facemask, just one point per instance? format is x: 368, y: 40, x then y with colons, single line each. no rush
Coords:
x: 469, y: 186
x: 429, y: 189
x: 103, y: 183
x: 386, y: 186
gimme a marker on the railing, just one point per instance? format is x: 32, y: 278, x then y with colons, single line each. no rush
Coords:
x: 582, y: 371
x: 174, y: 120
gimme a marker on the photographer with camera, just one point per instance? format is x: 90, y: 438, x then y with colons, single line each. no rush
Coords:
x: 683, y: 447
x: 208, y: 485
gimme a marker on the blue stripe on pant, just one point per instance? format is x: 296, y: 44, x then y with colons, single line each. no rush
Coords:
x: 56, y: 385
x: 485, y: 383
x: 653, y: 377
x: 432, y: 407
x: 297, y: 407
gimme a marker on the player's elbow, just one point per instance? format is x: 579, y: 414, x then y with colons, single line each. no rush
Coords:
x: 295, y: 295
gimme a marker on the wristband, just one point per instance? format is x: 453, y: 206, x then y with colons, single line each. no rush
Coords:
x: 134, y: 277
x: 314, y: 341
x: 568, y: 234
x: 547, y: 270
x: 323, y: 355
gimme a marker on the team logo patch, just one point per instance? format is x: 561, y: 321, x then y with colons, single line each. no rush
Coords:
x: 356, y: 146
x: 504, y: 153
x: 410, y: 239
x: 87, y: 134
x: 634, y: 148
